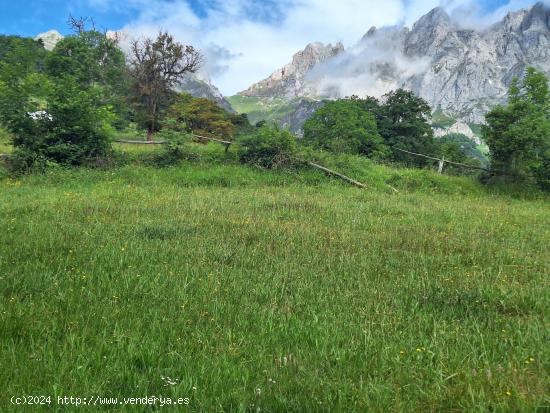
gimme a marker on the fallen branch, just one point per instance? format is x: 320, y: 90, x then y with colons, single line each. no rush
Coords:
x: 339, y: 175
x: 226, y: 143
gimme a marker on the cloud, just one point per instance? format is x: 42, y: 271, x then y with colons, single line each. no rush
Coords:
x: 371, y: 68
x: 246, y: 40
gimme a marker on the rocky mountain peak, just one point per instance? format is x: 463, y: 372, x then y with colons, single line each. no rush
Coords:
x: 538, y: 18
x: 372, y: 31
x: 49, y: 39
x: 288, y: 81
x: 436, y: 17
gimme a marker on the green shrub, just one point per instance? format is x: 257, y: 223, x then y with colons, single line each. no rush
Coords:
x: 268, y: 147
x: 68, y: 125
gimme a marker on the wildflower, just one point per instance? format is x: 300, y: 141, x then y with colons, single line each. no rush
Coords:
x: 169, y: 381
x: 508, y: 393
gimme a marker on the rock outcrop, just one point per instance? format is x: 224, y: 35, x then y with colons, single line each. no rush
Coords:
x: 460, y: 128
x: 49, y: 39
x: 289, y: 81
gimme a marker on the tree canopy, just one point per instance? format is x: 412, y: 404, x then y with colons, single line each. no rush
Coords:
x: 403, y: 123
x: 344, y: 126
x: 518, y: 134
x: 202, y: 116
x: 155, y: 67
x: 63, y: 113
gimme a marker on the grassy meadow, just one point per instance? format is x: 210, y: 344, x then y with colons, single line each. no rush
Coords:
x: 268, y: 291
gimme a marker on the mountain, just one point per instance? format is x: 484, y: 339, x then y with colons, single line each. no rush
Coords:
x: 288, y: 81
x: 49, y: 39
x: 203, y: 88
x: 460, y: 71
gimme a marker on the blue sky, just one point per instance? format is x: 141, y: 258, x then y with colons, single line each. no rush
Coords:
x: 29, y: 17
x: 243, y: 40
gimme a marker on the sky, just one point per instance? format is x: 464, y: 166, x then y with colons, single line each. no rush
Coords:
x: 243, y: 41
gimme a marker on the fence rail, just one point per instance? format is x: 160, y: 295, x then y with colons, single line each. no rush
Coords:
x: 442, y: 161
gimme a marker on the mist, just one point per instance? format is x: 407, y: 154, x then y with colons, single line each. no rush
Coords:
x: 374, y: 66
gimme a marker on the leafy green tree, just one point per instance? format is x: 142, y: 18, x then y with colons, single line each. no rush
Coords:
x: 94, y: 59
x: 467, y: 146
x: 344, y: 126
x: 202, y: 117
x: 518, y: 134
x: 403, y: 123
x: 457, y: 147
x: 24, y: 53
x: 62, y: 113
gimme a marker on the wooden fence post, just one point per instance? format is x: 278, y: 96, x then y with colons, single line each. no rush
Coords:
x: 441, y: 165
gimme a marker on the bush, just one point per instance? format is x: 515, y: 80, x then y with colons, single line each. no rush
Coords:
x: 67, y: 125
x: 173, y: 152
x: 268, y: 147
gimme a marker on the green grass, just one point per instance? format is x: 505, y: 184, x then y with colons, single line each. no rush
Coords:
x: 262, y: 108
x: 441, y: 120
x: 278, y: 291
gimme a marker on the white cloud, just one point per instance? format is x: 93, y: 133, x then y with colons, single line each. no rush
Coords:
x: 243, y: 47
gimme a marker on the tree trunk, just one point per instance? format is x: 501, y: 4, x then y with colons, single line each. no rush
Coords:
x: 150, y: 134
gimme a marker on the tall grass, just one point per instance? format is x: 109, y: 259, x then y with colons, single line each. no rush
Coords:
x: 273, y: 291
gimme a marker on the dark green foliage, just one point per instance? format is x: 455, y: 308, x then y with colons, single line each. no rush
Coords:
x: 344, y: 126
x: 64, y: 113
x: 67, y: 125
x: 92, y: 58
x: 23, y: 53
x: 459, y: 148
x: 268, y: 147
x: 403, y: 123
x: 203, y: 117
x: 518, y: 134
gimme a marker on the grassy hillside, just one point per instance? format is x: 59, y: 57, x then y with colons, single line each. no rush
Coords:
x: 243, y: 289
x: 258, y: 108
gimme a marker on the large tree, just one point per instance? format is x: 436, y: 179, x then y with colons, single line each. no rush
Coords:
x: 156, y: 66
x: 518, y: 134
x: 403, y: 123
x: 345, y: 126
x: 201, y: 116
x: 93, y: 59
